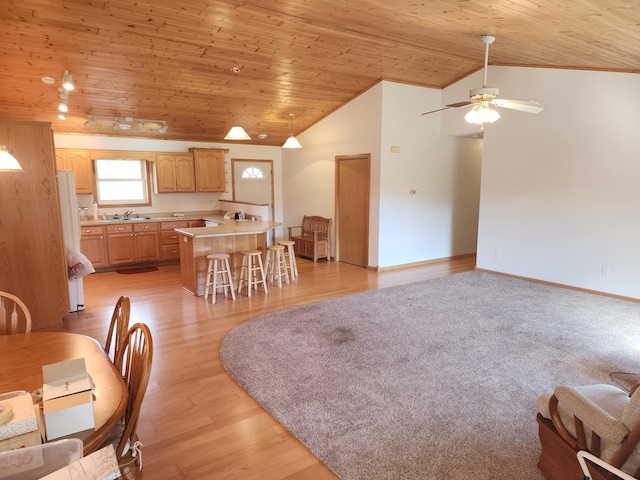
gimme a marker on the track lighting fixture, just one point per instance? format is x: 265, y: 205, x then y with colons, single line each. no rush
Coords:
x: 62, y: 115
x: 123, y: 124
x: 291, y: 142
x: 63, y: 101
x: 237, y: 132
x: 67, y: 81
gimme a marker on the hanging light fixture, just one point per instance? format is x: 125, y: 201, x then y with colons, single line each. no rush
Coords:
x: 291, y: 142
x: 237, y: 132
x: 8, y: 162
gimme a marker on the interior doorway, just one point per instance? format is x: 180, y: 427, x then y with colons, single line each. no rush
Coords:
x: 352, y: 209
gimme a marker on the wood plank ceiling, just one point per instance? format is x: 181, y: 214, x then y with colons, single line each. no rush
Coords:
x: 171, y: 60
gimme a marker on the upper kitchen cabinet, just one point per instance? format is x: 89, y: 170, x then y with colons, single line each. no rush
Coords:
x: 80, y: 162
x: 210, y: 171
x: 174, y: 173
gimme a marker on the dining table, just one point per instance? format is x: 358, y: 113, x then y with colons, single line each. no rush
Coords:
x: 22, y: 357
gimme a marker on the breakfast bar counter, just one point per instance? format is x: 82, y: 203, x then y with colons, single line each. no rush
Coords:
x: 230, y: 236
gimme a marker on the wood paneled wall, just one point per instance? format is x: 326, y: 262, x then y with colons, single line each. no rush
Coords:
x: 32, y: 258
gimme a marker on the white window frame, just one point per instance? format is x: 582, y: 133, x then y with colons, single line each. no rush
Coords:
x: 143, y: 180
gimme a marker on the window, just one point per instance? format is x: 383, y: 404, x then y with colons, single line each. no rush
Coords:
x: 252, y: 172
x: 122, y: 182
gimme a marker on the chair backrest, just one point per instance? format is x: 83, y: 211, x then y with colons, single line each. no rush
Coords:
x: 134, y: 362
x: 118, y: 327
x: 14, y: 315
x: 315, y: 223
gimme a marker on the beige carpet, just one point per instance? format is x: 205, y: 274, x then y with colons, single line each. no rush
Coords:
x: 433, y: 380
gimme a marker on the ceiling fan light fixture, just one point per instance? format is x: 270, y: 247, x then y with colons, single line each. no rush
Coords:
x: 481, y: 114
x: 8, y: 163
x: 237, y: 133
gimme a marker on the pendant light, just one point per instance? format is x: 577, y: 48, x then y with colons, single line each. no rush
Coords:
x: 291, y: 142
x: 237, y: 132
x: 8, y: 162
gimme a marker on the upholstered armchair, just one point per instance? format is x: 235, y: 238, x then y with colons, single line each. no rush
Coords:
x: 601, y: 419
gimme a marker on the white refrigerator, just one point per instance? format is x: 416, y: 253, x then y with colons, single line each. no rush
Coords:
x: 71, y: 231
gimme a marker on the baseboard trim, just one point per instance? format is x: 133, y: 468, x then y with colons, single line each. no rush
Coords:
x: 424, y: 263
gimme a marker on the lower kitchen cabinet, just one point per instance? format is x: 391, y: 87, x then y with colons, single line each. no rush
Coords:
x: 170, y: 247
x: 93, y: 245
x: 132, y: 243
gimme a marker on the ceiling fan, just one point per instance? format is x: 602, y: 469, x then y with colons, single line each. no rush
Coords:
x: 484, y: 98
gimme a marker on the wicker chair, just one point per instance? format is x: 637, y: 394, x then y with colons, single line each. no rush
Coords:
x: 118, y: 328
x: 14, y: 315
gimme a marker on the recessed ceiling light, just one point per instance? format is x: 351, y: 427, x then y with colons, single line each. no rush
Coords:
x: 48, y: 80
x: 262, y: 136
x: 124, y: 126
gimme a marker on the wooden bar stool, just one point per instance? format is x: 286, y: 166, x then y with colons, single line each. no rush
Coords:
x: 276, y: 265
x: 219, y: 269
x: 252, y: 271
x: 290, y: 258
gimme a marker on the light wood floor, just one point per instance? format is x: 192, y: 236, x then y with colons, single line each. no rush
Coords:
x: 196, y: 422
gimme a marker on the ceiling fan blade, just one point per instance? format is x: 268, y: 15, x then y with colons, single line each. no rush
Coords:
x: 528, y: 106
x: 451, y: 105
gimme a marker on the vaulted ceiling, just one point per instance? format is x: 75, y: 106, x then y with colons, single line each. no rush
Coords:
x: 171, y: 60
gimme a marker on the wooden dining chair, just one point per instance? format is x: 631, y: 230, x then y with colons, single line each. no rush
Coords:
x: 134, y: 362
x: 118, y: 327
x: 14, y: 315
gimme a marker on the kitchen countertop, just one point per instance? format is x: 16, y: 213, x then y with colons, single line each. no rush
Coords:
x: 212, y: 217
x: 229, y: 228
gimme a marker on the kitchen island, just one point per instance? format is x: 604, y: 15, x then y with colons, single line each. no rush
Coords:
x: 230, y: 236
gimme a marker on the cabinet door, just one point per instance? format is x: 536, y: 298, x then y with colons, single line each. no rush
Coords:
x: 93, y: 247
x: 209, y: 164
x: 79, y: 162
x: 147, y: 246
x: 165, y: 170
x: 121, y: 248
x: 185, y: 173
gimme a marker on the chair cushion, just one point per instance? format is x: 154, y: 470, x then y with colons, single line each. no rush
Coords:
x: 631, y: 413
x: 600, y: 408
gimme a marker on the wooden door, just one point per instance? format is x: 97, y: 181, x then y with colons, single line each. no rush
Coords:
x: 352, y: 204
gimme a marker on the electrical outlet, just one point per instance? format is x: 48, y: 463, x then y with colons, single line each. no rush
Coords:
x: 498, y: 254
x: 605, y: 271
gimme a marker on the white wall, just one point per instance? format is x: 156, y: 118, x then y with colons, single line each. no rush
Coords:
x: 177, y: 202
x: 309, y: 173
x: 560, y: 197
x: 440, y: 220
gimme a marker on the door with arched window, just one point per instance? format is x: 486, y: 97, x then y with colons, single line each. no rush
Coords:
x: 253, y: 182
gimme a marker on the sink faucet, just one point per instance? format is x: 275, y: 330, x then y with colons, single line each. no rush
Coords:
x: 128, y: 213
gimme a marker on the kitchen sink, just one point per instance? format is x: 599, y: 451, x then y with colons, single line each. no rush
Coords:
x: 127, y: 219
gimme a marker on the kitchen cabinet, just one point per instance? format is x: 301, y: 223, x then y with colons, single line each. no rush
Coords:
x: 132, y: 243
x: 210, y: 169
x: 174, y: 173
x: 170, y: 247
x: 80, y: 162
x: 93, y: 245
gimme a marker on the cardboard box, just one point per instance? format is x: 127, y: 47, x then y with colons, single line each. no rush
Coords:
x: 22, y: 429
x: 67, y: 398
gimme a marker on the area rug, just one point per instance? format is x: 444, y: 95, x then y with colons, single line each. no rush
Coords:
x: 432, y: 380
x: 131, y: 271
